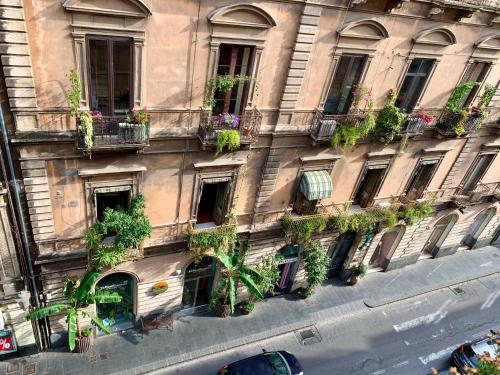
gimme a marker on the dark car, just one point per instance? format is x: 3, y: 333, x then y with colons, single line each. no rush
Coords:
x: 267, y: 363
x: 467, y: 354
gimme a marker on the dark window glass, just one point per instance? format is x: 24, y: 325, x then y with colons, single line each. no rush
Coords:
x: 369, y: 186
x: 413, y: 84
x: 110, y: 76
x: 477, y: 171
x: 348, y: 73
x: 476, y: 72
x: 213, y: 203
x: 116, y: 201
x: 421, y: 179
x: 233, y: 60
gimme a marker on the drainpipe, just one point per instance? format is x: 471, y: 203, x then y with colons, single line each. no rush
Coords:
x: 20, y: 216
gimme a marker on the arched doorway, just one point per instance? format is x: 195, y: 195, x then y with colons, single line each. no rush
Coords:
x: 339, y: 253
x: 198, y: 281
x: 120, y: 315
x: 478, y: 226
x: 441, y: 230
x: 287, y: 268
x: 386, y: 247
x: 496, y: 238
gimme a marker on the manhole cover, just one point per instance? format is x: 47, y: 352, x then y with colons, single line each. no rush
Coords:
x: 103, y: 356
x: 12, y: 367
x: 458, y: 291
x: 308, y: 336
x: 29, y: 369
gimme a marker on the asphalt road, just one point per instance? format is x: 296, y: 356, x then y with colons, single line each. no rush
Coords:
x: 407, y: 337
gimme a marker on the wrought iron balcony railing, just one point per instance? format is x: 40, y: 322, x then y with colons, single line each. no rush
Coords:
x: 448, y: 122
x: 248, y: 126
x: 480, y: 193
x: 412, y: 124
x: 323, y: 126
x: 112, y: 133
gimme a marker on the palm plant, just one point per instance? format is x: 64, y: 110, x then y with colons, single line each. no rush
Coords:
x: 78, y: 296
x: 234, y: 271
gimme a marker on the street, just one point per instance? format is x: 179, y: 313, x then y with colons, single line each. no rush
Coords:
x: 406, y: 337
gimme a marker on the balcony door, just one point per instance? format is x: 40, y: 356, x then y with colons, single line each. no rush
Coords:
x: 476, y: 72
x: 348, y: 74
x: 233, y: 61
x: 421, y: 178
x: 477, y: 171
x: 370, y: 185
x: 413, y: 84
x: 110, y: 75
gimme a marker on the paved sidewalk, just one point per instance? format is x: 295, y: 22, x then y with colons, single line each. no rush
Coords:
x: 200, y: 335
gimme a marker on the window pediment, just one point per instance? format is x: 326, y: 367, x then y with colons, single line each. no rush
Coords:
x: 491, y: 42
x: 123, y: 8
x: 364, y: 29
x: 440, y: 37
x: 242, y: 15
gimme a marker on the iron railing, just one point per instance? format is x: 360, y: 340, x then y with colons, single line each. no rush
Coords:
x: 480, y: 192
x: 471, y: 3
x: 248, y: 126
x: 412, y: 124
x: 112, y: 131
x: 323, y: 126
x: 448, y: 121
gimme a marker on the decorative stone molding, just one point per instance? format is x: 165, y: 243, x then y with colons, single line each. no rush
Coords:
x: 16, y: 63
x: 8, y: 254
x: 244, y: 15
x: 121, y: 8
x: 437, y: 36
x: 364, y: 29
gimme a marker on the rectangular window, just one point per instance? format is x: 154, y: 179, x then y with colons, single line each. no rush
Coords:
x: 476, y: 72
x: 115, y: 200
x: 110, y: 75
x: 233, y: 60
x: 413, y: 84
x: 421, y: 178
x: 348, y: 74
x: 304, y: 206
x: 213, y: 202
x: 370, y: 185
x: 477, y: 171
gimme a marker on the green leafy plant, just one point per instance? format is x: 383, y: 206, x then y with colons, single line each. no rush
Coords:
x: 87, y: 129
x: 301, y: 229
x: 459, y: 122
x: 229, y: 139
x: 413, y: 212
x: 369, y: 122
x: 219, y: 239
x: 316, y: 263
x: 348, y: 133
x: 130, y: 229
x: 74, y: 92
x: 221, y: 83
x: 359, y: 270
x: 248, y: 307
x: 78, y: 295
x: 455, y: 101
x: 389, y: 120
x: 486, y: 96
x: 269, y: 273
x: 138, y: 117
x: 234, y: 271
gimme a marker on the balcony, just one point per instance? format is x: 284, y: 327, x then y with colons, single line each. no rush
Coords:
x: 481, y: 193
x: 323, y: 126
x: 412, y: 125
x: 111, y: 133
x: 248, y: 127
x: 448, y: 121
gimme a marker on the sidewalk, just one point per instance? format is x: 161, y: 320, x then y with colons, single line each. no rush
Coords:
x: 200, y: 335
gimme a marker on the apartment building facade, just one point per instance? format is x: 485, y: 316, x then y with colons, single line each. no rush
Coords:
x: 297, y: 63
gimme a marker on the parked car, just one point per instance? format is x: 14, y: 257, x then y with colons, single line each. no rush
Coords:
x: 467, y: 354
x: 267, y: 363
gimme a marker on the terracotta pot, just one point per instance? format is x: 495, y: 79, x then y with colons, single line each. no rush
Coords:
x: 246, y: 131
x: 222, y: 310
x: 353, y: 280
x: 83, y: 344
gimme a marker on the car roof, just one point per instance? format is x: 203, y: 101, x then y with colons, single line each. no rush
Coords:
x: 257, y: 365
x: 483, y: 346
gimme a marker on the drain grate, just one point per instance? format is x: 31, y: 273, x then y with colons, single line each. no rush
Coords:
x: 308, y: 336
x: 12, y: 367
x: 29, y: 369
x: 458, y: 291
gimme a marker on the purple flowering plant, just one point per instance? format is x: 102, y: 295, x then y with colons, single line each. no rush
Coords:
x: 229, y: 119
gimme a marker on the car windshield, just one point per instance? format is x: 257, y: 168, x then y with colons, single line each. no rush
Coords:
x: 484, y: 346
x: 276, y: 362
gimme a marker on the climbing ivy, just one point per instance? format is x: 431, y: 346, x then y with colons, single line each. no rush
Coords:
x: 229, y: 139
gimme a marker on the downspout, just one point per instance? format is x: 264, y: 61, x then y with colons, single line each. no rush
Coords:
x: 20, y: 216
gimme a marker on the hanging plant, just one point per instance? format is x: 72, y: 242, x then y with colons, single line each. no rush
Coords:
x: 389, y: 120
x: 87, y: 129
x: 159, y: 287
x: 486, y: 96
x: 459, y: 123
x: 369, y: 121
x: 74, y: 93
x: 414, y: 212
x: 229, y: 139
x: 301, y: 229
x: 316, y: 262
x: 455, y: 101
x: 221, y: 238
x: 221, y: 83
x: 130, y: 228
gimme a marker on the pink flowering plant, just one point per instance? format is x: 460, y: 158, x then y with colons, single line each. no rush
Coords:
x: 138, y: 116
x: 359, y: 92
x: 229, y: 119
x: 425, y: 116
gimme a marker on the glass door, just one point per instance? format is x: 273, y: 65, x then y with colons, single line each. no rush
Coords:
x: 198, y: 284
x: 340, y: 253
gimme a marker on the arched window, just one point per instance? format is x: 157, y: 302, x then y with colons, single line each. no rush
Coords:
x: 478, y: 226
x: 386, y: 247
x: 441, y: 230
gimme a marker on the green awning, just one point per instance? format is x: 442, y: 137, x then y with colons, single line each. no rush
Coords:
x: 316, y: 185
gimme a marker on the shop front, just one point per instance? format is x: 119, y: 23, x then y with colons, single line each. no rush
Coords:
x: 120, y: 315
x: 198, y: 285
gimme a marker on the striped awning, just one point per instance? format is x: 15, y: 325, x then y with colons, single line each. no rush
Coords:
x: 316, y: 185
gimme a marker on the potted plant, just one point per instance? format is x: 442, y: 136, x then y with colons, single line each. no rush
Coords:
x: 133, y: 129
x: 316, y: 263
x: 159, y: 287
x: 224, y: 298
x: 389, y: 120
x: 426, y: 117
x: 247, y: 307
x: 356, y: 273
x: 78, y: 295
x: 229, y: 139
